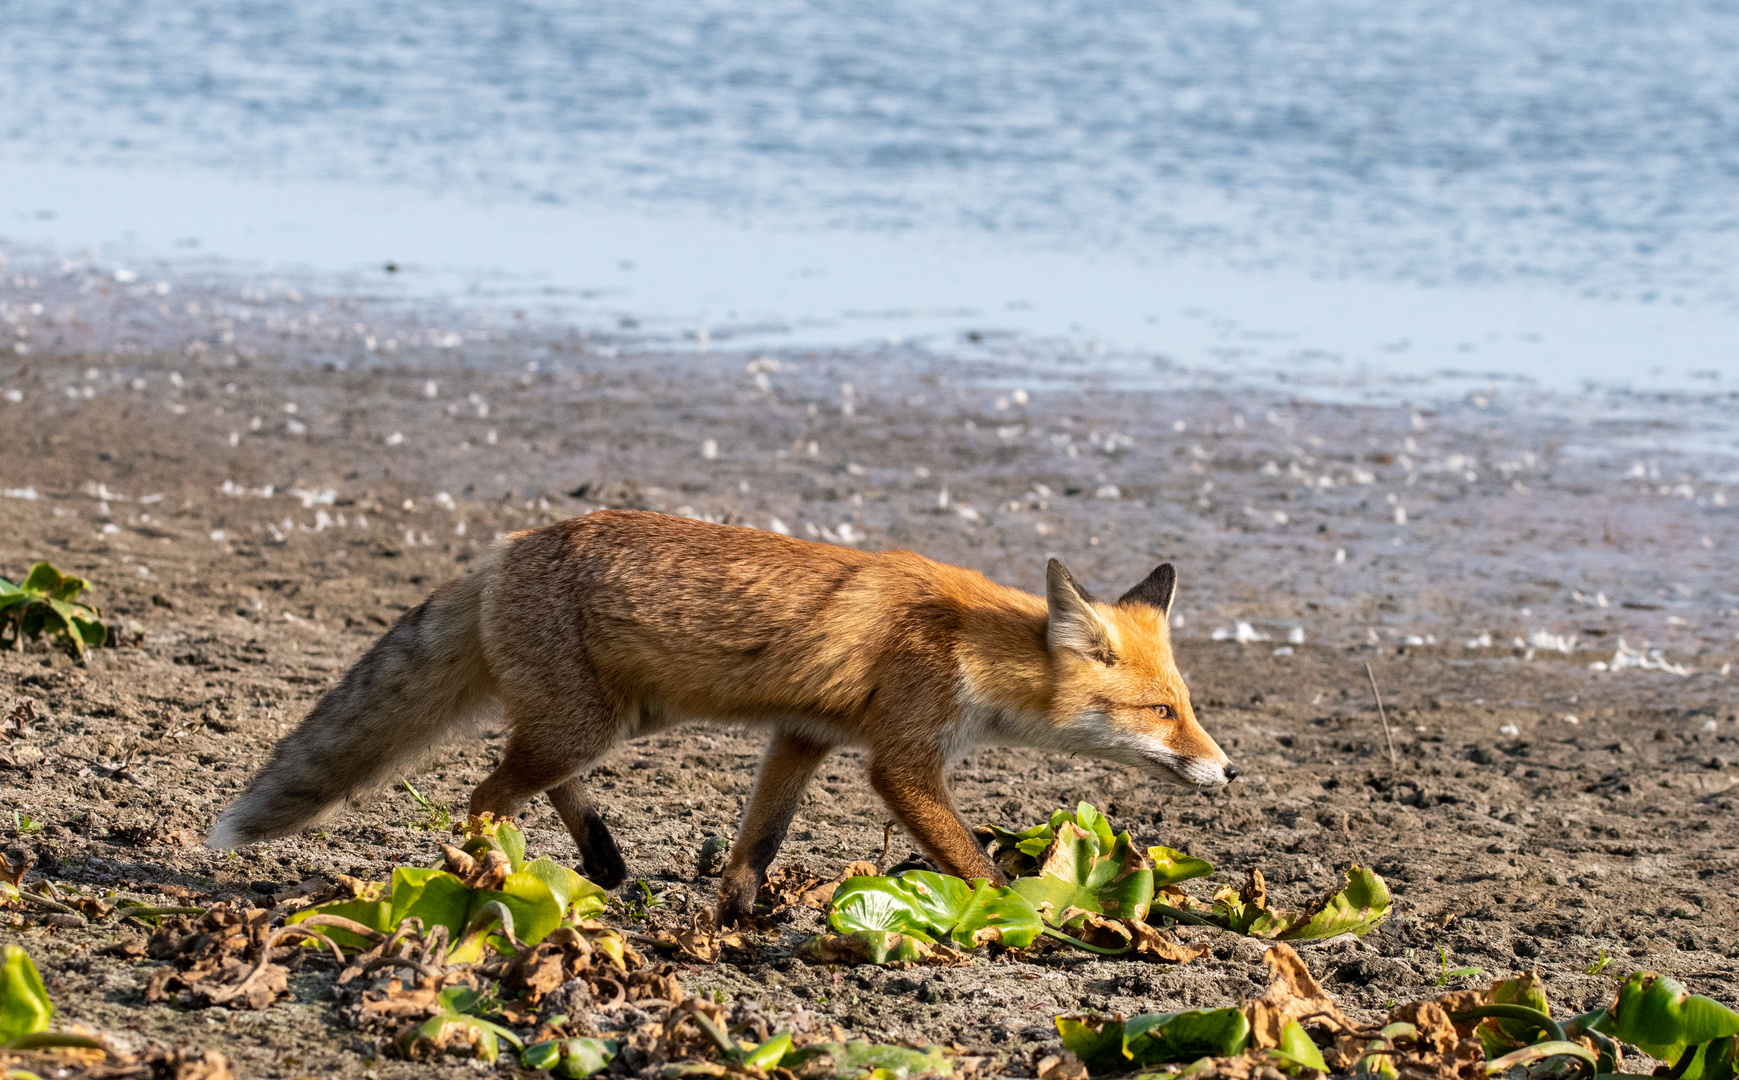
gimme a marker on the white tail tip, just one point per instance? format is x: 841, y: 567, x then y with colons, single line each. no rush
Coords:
x: 224, y: 837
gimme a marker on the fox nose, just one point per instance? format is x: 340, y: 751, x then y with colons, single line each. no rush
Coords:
x: 1232, y: 772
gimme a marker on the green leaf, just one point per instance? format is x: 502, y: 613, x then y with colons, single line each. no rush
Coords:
x: 512, y: 841
x: 996, y: 914
x: 1296, y: 1051
x: 484, y: 1037
x: 535, y: 909
x: 1156, y: 1038
x: 434, y: 896
x: 589, y: 900
x: 542, y: 1055
x: 769, y: 1053
x: 1238, y: 913
x: 1018, y: 852
x: 584, y: 1057
x: 43, y: 581
x: 1086, y: 817
x: 1356, y: 909
x: 502, y: 834
x: 1109, y: 1044
x: 69, y: 588
x: 374, y: 914
x: 1658, y: 1015
x: 1715, y: 1060
x: 1084, y: 870
x: 866, y: 947
x: 569, y: 888
x: 536, y: 899
x: 571, y: 1058
x: 1097, y: 1040
x: 854, y: 1059
x: 1379, y: 1066
x: 1540, y: 1051
x: 24, y: 1005
x: 65, y: 614
x: 915, y: 902
x: 1171, y: 867
x: 930, y: 907
x: 1500, y: 1036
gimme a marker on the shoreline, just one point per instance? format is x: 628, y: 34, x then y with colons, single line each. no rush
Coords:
x: 1203, y: 460
x: 682, y: 279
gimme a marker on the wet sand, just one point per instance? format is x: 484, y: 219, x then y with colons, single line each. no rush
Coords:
x: 258, y: 482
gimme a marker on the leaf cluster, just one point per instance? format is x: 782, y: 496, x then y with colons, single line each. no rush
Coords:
x: 1078, y: 881
x: 485, y: 895
x: 570, y: 1058
x: 1266, y: 1033
x: 46, y: 602
x: 458, y: 1019
x: 1655, y: 1013
x: 778, y: 1055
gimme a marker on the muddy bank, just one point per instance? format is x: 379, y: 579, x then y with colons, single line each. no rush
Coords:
x: 257, y: 485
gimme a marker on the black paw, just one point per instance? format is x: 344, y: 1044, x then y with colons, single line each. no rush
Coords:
x: 605, y: 869
x: 602, y: 858
x: 735, y: 904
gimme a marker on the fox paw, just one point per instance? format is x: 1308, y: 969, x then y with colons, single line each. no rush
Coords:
x: 736, y: 903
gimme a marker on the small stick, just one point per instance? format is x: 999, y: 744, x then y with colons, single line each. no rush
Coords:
x: 1394, y: 762
x: 46, y: 903
x: 887, y: 843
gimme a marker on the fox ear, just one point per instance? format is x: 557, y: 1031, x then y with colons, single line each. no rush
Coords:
x: 1157, y: 591
x: 1072, y: 623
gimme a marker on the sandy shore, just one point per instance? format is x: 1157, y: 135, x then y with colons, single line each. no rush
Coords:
x: 257, y: 482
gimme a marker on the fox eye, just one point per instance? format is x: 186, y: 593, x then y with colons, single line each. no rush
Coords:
x: 1161, y: 711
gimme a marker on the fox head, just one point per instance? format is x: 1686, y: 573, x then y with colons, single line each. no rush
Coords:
x: 1118, y: 693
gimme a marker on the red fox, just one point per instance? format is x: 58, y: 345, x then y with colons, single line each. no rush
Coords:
x: 622, y: 623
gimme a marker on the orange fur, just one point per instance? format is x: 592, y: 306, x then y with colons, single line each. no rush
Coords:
x: 621, y: 623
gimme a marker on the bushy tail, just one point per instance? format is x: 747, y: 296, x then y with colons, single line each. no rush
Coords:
x: 423, y: 678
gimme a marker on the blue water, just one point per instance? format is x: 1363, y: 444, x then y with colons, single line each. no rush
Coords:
x: 1586, y: 148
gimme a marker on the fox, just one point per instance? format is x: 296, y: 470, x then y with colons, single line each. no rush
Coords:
x: 623, y: 623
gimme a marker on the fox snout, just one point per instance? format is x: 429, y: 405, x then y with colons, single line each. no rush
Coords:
x: 1199, y: 772
x: 1192, y: 757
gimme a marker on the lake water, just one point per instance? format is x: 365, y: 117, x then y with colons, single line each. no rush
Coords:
x: 1438, y: 194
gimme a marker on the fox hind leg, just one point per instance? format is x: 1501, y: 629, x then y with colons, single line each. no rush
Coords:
x: 598, y: 850
x: 545, y: 749
x: 785, y: 773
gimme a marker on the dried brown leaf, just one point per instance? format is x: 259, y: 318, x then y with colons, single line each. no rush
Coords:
x: 1162, y: 946
x: 819, y: 896
x: 1243, y: 1067
x: 1292, y: 994
x: 1064, y: 1066
x: 1437, y: 1034
x: 220, y: 959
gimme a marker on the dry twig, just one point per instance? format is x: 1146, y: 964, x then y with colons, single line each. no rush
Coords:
x: 1394, y: 762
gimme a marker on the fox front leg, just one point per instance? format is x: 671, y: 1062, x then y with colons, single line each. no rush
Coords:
x: 785, y: 772
x: 913, y: 788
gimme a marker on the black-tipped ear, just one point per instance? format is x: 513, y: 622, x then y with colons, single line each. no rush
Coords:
x: 1156, y: 591
x: 1072, y: 623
